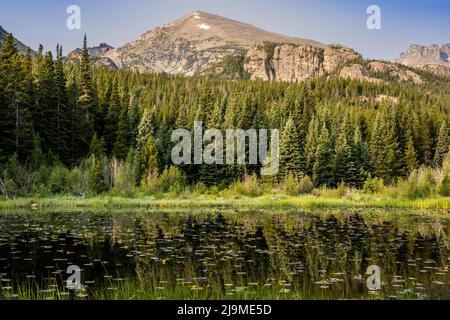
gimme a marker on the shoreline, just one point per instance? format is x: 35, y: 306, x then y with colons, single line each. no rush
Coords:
x: 209, y: 201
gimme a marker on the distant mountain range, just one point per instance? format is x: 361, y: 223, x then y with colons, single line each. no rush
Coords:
x: 433, y: 58
x: 206, y: 44
x: 96, y: 54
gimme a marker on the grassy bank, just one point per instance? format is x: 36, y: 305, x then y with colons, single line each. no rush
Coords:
x: 278, y: 201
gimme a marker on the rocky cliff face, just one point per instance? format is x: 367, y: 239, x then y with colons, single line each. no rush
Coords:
x: 22, y: 48
x: 294, y: 62
x: 433, y: 58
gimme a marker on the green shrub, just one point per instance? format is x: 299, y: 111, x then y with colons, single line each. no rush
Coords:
x: 171, y: 180
x: 94, y: 174
x: 420, y: 184
x: 214, y: 191
x: 76, y: 181
x: 446, y: 163
x: 305, y: 185
x: 443, y: 188
x: 150, y: 182
x: 373, y: 185
x: 341, y: 189
x: 250, y: 187
x: 198, y: 189
x: 293, y: 185
x: 290, y: 185
x: 122, y: 177
x: 59, y: 180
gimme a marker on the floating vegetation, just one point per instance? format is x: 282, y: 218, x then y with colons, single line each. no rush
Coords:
x: 224, y: 255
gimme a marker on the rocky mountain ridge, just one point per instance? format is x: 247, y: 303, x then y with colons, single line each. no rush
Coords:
x: 96, y: 55
x: 434, y: 59
x: 94, y: 52
x: 206, y: 44
x: 192, y: 44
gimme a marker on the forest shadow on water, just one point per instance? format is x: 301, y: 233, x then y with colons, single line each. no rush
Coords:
x: 225, y: 255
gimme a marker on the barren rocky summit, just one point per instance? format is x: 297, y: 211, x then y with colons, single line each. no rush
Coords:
x: 192, y: 44
x: 199, y: 41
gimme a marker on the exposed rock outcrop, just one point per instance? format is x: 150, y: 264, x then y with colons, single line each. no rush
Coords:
x: 393, y: 71
x: 357, y: 72
x: 379, y: 72
x: 337, y: 55
x: 437, y: 69
x: 293, y: 62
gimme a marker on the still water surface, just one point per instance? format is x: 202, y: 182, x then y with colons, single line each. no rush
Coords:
x: 225, y: 255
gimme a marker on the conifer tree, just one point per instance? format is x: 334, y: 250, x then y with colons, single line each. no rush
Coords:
x: 63, y: 110
x: 112, y: 118
x: 343, y: 167
x: 323, y: 166
x: 291, y: 160
x: 311, y: 145
x: 25, y: 143
x: 44, y: 109
x: 87, y: 100
x: 410, y: 155
x: 97, y: 147
x: 15, y: 100
x: 134, y: 117
x: 215, y: 174
x: 384, y: 150
x: 146, y: 145
x: 37, y: 111
x: 7, y: 118
x: 443, y: 143
x: 121, y: 146
x: 205, y: 104
x: 75, y: 118
x: 359, y: 160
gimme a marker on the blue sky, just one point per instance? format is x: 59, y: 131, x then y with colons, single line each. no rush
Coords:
x: 116, y: 22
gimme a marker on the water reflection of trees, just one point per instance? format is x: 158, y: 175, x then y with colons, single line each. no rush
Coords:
x: 297, y: 250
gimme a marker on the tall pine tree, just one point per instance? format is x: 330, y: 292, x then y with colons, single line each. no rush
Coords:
x: 443, y: 144
x: 323, y: 166
x: 291, y: 159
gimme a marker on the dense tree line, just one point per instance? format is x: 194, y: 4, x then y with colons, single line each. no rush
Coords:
x: 332, y: 130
